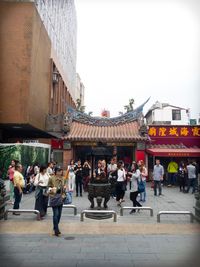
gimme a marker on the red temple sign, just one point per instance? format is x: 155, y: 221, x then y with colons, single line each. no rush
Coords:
x: 174, y: 131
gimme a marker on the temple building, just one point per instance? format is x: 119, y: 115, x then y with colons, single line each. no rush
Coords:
x: 124, y: 136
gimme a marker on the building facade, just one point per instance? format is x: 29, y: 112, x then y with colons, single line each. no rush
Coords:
x: 38, y: 67
x: 163, y: 113
x: 123, y: 136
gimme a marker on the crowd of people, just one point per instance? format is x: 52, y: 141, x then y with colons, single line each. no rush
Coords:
x: 52, y: 185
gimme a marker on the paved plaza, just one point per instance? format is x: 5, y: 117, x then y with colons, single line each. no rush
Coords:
x: 134, y: 240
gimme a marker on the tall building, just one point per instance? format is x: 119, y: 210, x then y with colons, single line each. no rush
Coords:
x: 59, y: 18
x: 38, y: 67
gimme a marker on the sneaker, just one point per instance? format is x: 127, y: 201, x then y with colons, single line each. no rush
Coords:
x: 132, y: 211
x: 16, y: 213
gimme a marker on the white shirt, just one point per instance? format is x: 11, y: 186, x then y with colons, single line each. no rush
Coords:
x: 49, y: 171
x: 121, y: 175
x: 144, y: 174
x: 43, y: 178
x: 135, y: 178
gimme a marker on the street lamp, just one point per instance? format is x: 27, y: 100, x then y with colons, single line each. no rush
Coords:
x: 55, y: 77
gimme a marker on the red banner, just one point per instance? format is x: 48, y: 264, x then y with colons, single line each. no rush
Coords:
x: 174, y: 131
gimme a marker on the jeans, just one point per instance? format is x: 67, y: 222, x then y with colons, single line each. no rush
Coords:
x: 11, y: 191
x: 157, y: 184
x: 18, y: 198
x: 191, y: 182
x: 171, y: 178
x: 57, y: 211
x: 143, y: 194
x: 79, y: 184
x: 134, y: 200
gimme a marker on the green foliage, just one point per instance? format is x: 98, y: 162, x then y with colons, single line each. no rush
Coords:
x: 27, y: 155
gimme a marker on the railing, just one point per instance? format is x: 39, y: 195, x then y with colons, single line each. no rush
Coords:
x: 21, y: 211
x: 175, y: 213
x: 100, y: 212
x: 136, y: 208
x: 69, y: 206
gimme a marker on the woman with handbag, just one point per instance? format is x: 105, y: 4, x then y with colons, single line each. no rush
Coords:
x: 120, y: 182
x: 57, y: 195
x: 136, y: 178
x: 41, y: 195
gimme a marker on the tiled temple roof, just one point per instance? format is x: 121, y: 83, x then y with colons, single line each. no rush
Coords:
x: 126, y: 132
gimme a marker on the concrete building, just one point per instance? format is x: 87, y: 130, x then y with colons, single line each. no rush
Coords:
x: 163, y: 113
x: 38, y: 67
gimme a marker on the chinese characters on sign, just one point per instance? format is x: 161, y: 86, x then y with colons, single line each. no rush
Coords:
x: 172, y: 131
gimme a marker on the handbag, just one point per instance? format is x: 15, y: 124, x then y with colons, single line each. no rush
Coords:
x: 68, y: 199
x: 141, y: 186
x: 56, y: 200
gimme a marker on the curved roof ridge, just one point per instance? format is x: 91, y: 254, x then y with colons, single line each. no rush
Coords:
x: 101, y: 121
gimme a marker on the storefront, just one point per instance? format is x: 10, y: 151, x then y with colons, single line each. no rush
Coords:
x: 178, y: 142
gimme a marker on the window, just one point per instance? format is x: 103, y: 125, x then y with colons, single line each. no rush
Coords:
x: 176, y: 114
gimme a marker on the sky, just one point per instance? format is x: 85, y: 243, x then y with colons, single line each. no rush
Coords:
x: 139, y: 49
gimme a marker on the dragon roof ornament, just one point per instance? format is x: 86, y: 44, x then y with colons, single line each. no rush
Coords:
x: 99, y: 121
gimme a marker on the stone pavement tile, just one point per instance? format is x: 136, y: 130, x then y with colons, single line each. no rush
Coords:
x: 51, y: 263
x: 117, y: 256
x: 106, y: 263
x: 91, y: 256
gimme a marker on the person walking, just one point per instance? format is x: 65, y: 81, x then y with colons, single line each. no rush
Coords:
x: 158, y: 173
x: 136, y: 176
x: 19, y: 184
x: 121, y: 182
x: 191, y: 170
x: 79, y: 178
x: 144, y: 174
x: 41, y: 196
x: 56, y: 189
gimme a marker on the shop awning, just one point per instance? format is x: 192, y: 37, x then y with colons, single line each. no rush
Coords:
x: 174, y: 152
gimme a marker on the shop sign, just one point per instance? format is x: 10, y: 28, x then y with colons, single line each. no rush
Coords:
x: 173, y: 154
x: 174, y: 131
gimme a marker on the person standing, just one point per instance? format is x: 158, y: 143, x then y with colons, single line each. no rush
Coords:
x: 50, y: 169
x: 144, y: 175
x: 158, y: 173
x: 41, y: 196
x: 191, y: 170
x: 112, y: 167
x: 136, y: 176
x: 182, y: 172
x: 86, y: 175
x: 79, y: 178
x: 172, y: 170
x: 19, y: 184
x: 70, y: 175
x: 56, y: 190
x: 11, y: 170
